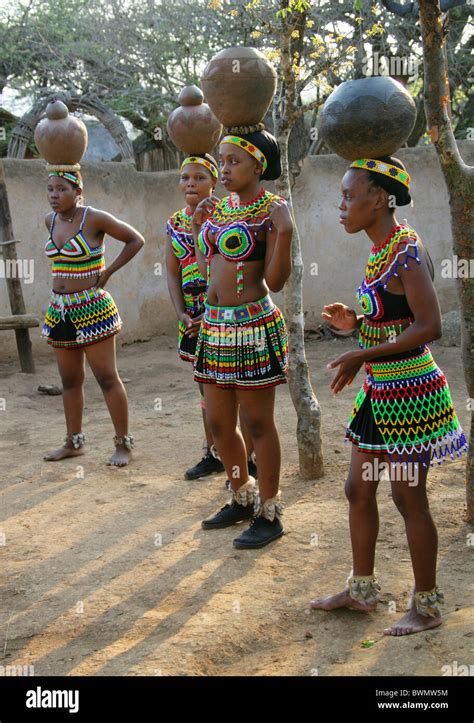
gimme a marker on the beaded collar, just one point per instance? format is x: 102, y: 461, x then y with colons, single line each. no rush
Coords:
x: 384, y: 260
x: 254, y: 211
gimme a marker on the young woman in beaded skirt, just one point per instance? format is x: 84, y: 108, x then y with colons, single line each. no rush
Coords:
x: 82, y: 319
x: 187, y: 288
x: 242, y: 348
x: 403, y: 416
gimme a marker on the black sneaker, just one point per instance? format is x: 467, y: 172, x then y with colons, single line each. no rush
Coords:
x: 260, y: 533
x: 252, y: 472
x: 207, y: 465
x: 229, y: 515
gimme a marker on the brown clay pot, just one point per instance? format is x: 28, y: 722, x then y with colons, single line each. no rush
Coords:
x: 367, y: 118
x: 193, y: 127
x: 60, y: 137
x: 239, y: 85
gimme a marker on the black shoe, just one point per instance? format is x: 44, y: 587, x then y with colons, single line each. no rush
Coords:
x: 229, y: 515
x: 260, y: 533
x: 252, y: 472
x: 207, y: 465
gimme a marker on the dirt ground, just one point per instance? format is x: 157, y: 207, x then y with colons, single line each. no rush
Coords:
x: 108, y: 572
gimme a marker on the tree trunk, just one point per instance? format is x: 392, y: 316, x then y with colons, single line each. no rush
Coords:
x: 459, y: 178
x: 308, y: 431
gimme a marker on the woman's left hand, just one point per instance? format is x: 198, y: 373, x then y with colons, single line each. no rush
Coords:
x: 349, y: 364
x: 103, y: 278
x: 280, y: 215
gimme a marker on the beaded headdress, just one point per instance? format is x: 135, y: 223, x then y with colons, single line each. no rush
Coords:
x: 247, y: 146
x: 203, y: 161
x: 386, y: 169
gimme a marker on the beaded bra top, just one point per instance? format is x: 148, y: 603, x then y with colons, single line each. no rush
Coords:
x: 385, y: 312
x: 235, y: 228
x: 179, y: 229
x: 75, y: 259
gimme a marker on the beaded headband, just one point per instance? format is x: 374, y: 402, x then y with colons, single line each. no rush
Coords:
x: 386, y: 169
x: 69, y: 177
x: 247, y: 146
x: 203, y: 161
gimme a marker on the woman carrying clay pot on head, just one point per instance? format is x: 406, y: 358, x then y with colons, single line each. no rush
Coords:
x: 187, y: 287
x: 403, y: 415
x: 82, y: 319
x: 242, y: 348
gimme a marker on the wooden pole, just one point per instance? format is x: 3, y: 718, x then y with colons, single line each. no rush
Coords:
x: 15, y: 292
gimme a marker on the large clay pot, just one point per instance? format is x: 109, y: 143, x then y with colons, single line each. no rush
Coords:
x: 367, y: 118
x: 60, y: 137
x: 193, y: 127
x: 239, y: 85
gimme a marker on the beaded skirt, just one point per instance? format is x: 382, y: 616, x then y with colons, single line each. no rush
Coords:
x: 76, y: 320
x: 404, y: 409
x: 242, y: 347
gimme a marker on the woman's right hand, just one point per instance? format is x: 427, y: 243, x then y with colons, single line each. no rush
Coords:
x: 340, y: 316
x: 203, y: 210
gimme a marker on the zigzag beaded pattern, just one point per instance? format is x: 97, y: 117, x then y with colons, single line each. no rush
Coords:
x: 412, y: 407
x: 93, y: 313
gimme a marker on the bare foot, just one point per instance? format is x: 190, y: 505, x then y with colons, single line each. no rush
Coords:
x: 413, y: 622
x: 67, y: 451
x: 341, y: 600
x: 121, y: 456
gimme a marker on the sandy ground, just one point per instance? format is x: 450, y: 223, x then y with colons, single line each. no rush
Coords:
x: 108, y: 572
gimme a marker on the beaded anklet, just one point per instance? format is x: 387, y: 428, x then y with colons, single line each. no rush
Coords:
x: 364, y: 588
x: 126, y: 440
x: 427, y: 603
x: 271, y: 508
x: 77, y: 439
x: 246, y: 494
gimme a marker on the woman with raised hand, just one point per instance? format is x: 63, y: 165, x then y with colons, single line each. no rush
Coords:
x: 403, y: 415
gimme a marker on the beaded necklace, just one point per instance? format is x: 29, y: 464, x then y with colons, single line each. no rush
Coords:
x: 383, y: 260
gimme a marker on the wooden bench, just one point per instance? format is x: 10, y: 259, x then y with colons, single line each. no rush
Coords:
x: 18, y: 321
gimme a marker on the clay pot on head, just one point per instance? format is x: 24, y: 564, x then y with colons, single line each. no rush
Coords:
x: 239, y: 85
x: 367, y: 118
x: 60, y: 137
x: 193, y: 127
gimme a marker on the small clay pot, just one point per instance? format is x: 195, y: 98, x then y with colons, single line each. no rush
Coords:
x: 367, y: 118
x: 60, y: 137
x: 239, y: 85
x: 193, y: 127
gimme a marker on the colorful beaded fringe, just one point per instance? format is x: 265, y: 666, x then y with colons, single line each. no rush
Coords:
x: 242, y: 346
